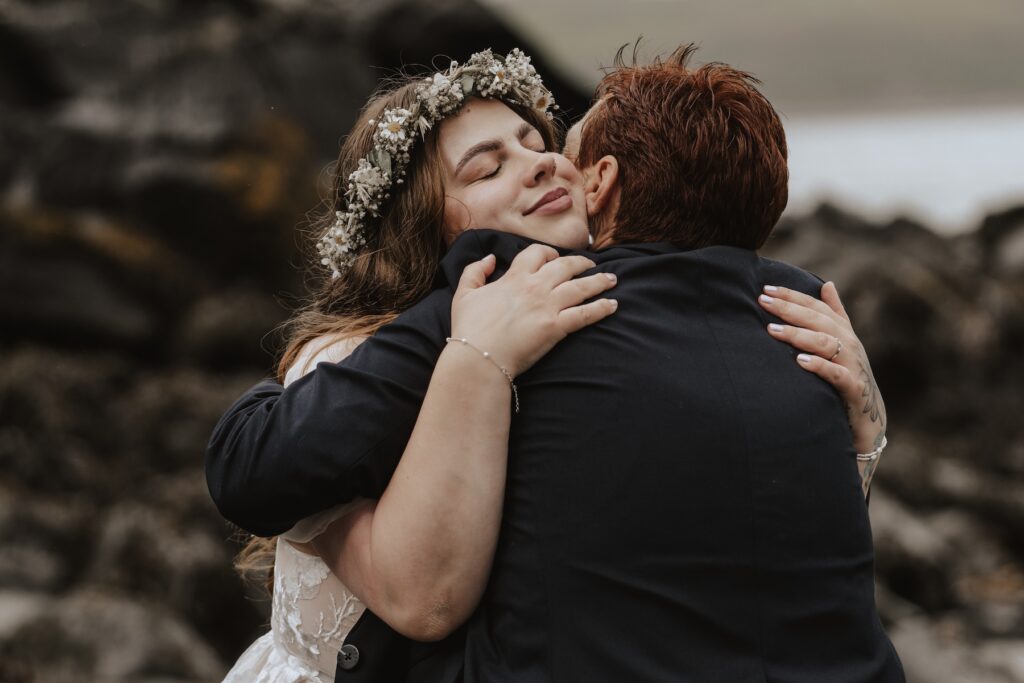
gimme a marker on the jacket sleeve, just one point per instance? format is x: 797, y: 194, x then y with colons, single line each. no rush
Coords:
x: 279, y: 455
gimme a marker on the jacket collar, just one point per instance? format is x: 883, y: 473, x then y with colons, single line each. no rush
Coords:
x: 473, y: 245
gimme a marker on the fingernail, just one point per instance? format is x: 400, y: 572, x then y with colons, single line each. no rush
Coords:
x: 775, y: 327
x: 765, y: 299
x: 803, y: 358
x: 611, y: 276
x: 488, y: 257
x: 771, y: 288
x: 615, y: 304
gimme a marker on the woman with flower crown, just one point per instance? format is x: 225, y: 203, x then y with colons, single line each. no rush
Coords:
x: 427, y: 160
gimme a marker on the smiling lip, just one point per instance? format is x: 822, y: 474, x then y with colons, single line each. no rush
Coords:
x: 549, y: 200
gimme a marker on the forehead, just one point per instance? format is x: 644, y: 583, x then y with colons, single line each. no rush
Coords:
x: 478, y: 120
x: 571, y: 149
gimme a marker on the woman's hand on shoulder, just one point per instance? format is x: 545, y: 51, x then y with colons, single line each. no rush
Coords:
x: 537, y: 303
x: 832, y: 350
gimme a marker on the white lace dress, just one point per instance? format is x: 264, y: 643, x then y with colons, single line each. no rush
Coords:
x: 312, y: 611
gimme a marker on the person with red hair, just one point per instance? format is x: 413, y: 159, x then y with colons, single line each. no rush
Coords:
x: 701, y: 154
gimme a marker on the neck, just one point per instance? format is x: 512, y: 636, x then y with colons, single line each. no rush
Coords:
x: 603, y: 230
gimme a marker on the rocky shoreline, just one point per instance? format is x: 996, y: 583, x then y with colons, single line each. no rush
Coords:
x: 157, y: 160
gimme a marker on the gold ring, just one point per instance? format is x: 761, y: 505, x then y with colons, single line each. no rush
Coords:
x: 839, y: 347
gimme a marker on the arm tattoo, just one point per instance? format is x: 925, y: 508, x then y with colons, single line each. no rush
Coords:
x: 874, y: 409
x: 872, y: 406
x: 872, y: 400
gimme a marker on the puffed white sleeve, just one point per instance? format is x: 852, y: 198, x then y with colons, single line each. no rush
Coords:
x: 320, y: 350
x: 314, y: 525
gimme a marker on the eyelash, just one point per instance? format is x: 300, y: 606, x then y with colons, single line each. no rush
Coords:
x: 495, y: 171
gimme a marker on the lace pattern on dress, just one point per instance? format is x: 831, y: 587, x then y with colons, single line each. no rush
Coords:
x: 312, y: 611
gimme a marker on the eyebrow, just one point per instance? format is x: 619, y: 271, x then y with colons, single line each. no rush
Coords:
x: 490, y: 146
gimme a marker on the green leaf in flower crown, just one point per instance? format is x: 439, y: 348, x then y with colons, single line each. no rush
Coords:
x: 467, y: 83
x: 381, y: 160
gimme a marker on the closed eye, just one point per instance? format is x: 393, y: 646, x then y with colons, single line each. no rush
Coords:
x: 531, y: 138
x: 492, y: 173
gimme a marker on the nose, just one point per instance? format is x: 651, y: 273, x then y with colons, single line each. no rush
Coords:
x: 543, y: 166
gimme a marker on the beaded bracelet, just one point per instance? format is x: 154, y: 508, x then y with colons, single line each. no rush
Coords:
x: 487, y: 355
x: 873, y: 455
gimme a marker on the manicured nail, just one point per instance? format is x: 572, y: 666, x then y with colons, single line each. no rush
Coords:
x: 611, y: 276
x: 489, y: 257
x: 771, y: 288
x: 765, y: 299
x: 775, y: 327
x: 615, y: 304
x: 803, y: 358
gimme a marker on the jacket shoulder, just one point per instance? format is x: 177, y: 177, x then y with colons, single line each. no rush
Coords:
x: 788, y: 275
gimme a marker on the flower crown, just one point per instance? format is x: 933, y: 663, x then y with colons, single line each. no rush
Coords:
x: 511, y: 79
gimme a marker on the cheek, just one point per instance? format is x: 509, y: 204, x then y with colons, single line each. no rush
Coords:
x: 567, y: 169
x: 481, y: 207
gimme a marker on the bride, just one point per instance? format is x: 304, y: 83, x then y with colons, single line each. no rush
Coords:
x: 427, y: 160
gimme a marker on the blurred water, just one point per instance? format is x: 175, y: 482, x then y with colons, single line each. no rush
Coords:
x: 947, y: 168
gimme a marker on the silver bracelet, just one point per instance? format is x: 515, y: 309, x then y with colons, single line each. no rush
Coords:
x: 487, y: 355
x: 875, y: 454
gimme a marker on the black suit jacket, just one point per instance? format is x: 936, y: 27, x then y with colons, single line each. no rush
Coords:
x: 683, y: 500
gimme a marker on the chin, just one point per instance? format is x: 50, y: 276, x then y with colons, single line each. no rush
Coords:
x: 569, y: 237
x: 580, y: 239
x: 582, y: 244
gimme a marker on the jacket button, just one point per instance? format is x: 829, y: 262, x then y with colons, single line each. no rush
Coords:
x: 348, y: 656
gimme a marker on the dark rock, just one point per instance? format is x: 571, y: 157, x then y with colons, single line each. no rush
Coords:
x: 50, y: 296
x: 1002, y: 237
x: 97, y: 636
x: 75, y: 169
x: 28, y: 77
x: 46, y: 541
x: 231, y: 212
x: 419, y: 33
x: 146, y: 552
x: 935, y: 652
x: 230, y: 329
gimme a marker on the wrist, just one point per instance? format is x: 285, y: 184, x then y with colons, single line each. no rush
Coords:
x: 486, y: 343
x: 865, y: 447
x: 868, y: 438
x: 480, y: 361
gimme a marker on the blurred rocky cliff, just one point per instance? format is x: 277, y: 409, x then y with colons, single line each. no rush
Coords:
x: 157, y: 163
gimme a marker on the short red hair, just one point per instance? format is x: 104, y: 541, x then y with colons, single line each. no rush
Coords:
x: 701, y: 152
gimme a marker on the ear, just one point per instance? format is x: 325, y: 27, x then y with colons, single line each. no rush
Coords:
x: 601, y: 185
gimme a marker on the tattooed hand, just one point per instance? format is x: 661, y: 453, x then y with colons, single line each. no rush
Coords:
x: 833, y: 352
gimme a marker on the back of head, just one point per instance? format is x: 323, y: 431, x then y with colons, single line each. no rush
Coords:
x: 701, y: 152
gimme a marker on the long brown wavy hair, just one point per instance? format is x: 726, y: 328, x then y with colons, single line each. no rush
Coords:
x: 396, y: 269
